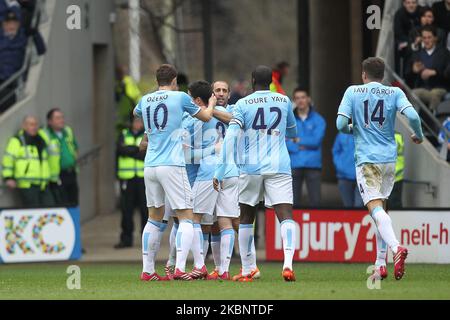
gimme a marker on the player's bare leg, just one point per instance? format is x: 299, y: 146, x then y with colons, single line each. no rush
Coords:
x: 247, y: 244
x: 288, y: 234
x: 184, y: 239
x: 151, y: 241
x: 384, y: 225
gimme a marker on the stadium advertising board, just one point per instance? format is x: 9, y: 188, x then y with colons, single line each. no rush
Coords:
x: 349, y: 235
x: 38, y: 235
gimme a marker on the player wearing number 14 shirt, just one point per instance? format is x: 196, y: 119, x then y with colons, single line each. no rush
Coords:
x: 373, y: 108
x: 165, y: 169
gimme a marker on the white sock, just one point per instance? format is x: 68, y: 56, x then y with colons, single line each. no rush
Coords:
x: 184, y: 239
x: 173, y: 246
x: 226, y: 249
x: 247, y: 248
x: 215, y: 248
x: 197, y: 247
x: 205, y: 245
x: 150, y: 238
x: 381, y: 251
x: 384, y: 225
x: 289, y: 239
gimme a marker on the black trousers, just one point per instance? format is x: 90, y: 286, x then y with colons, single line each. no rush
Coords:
x: 313, y: 178
x: 34, y: 197
x: 132, y: 196
x: 395, y: 199
x: 69, y: 188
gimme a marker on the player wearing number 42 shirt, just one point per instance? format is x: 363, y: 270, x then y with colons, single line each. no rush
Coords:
x: 265, y: 119
x: 165, y: 170
x: 373, y: 108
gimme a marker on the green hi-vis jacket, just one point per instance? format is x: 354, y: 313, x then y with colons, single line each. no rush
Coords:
x: 21, y: 162
x: 400, y: 165
x: 130, y: 164
x: 55, y: 150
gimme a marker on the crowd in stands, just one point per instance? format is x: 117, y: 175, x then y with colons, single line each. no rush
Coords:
x: 16, y: 27
x: 422, y: 51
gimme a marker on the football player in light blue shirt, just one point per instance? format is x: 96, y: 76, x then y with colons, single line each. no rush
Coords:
x: 372, y: 108
x: 266, y: 119
x: 165, y: 172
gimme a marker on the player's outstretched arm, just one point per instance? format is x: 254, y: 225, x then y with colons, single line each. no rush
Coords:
x: 415, y: 124
x: 206, y: 115
x: 342, y: 124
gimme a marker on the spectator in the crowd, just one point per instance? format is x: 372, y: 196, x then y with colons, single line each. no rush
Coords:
x: 395, y: 200
x: 278, y: 74
x: 25, y: 166
x: 427, y: 69
x: 239, y: 91
x: 306, y: 150
x: 12, y: 53
x: 344, y: 162
x: 131, y: 176
x: 426, y: 19
x: 63, y: 154
x: 441, y: 12
x: 406, y: 19
x: 128, y: 95
x: 443, y: 141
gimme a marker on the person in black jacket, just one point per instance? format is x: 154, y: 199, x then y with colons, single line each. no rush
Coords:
x: 131, y: 176
x: 406, y: 19
x: 426, y: 19
x: 427, y: 69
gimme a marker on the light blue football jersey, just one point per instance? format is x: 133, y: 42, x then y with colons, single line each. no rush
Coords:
x: 162, y: 113
x: 373, y: 108
x: 265, y: 117
x: 188, y: 141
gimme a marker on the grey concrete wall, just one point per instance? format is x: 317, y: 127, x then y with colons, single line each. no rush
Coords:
x: 65, y: 78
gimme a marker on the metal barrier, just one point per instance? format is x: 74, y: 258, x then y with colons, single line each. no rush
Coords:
x: 20, y: 76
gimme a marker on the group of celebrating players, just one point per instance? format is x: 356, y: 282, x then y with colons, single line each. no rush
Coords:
x: 209, y: 165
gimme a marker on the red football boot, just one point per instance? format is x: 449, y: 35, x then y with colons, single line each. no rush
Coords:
x: 152, y: 277
x: 180, y: 275
x: 199, y: 274
x: 288, y: 275
x: 225, y: 276
x: 399, y: 262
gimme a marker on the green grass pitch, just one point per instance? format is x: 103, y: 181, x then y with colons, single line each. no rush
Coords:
x: 314, y: 281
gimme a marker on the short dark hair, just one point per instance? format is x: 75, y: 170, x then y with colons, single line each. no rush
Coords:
x: 300, y: 89
x: 262, y: 76
x: 431, y: 29
x: 165, y: 74
x: 374, y: 67
x: 424, y: 10
x: 51, y: 113
x: 201, y: 89
x: 283, y: 64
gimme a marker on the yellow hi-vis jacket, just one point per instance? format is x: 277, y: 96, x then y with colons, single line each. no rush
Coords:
x: 130, y: 167
x: 400, y: 165
x: 21, y: 162
x: 54, y: 150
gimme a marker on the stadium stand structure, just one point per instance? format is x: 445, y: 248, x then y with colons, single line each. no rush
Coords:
x: 76, y: 75
x: 427, y: 174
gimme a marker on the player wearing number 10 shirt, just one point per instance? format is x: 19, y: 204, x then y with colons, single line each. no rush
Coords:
x: 265, y: 120
x: 165, y: 169
x: 373, y: 108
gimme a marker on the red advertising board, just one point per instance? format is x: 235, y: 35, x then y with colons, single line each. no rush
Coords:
x: 325, y: 235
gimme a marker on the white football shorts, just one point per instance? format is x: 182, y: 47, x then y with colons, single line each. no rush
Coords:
x: 375, y: 181
x: 272, y: 188
x: 168, y: 182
